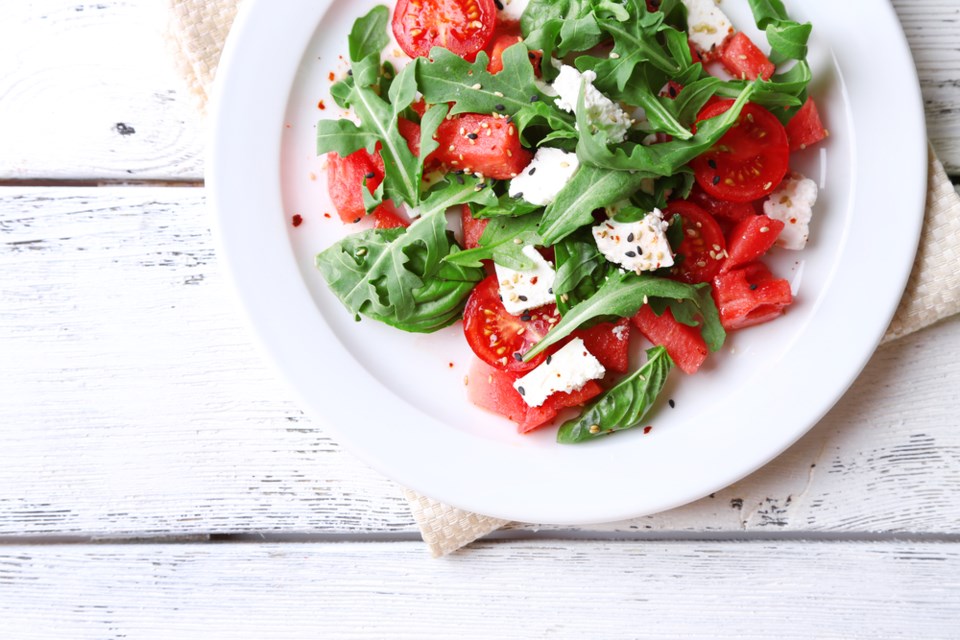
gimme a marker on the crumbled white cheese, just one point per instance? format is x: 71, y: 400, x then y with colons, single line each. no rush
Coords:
x: 566, y: 370
x: 512, y: 9
x: 542, y: 179
x: 792, y: 203
x: 525, y: 290
x: 707, y: 25
x: 602, y: 112
x: 635, y: 246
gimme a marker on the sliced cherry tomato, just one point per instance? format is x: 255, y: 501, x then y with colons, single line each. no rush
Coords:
x: 481, y: 144
x: 744, y: 60
x: 462, y: 26
x: 473, y: 228
x: 805, y: 127
x: 507, y: 34
x: 686, y: 346
x: 750, y: 159
x: 703, y: 247
x: 750, y: 295
x: 499, y: 338
x: 346, y: 177
x: 729, y: 211
x: 492, y: 389
x: 609, y: 342
x: 749, y: 240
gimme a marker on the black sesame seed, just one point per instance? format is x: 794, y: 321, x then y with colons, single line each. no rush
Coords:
x: 481, y: 186
x: 349, y: 72
x: 630, y: 254
x: 712, y: 163
x: 753, y: 287
x: 499, y: 107
x: 639, y: 250
x: 472, y: 136
x: 673, y: 91
x: 460, y: 179
x: 356, y: 221
x: 370, y: 175
x: 517, y: 356
x: 533, y: 98
x: 716, y: 179
x: 519, y: 195
x: 532, y: 171
x: 630, y: 238
x: 459, y: 172
x: 522, y: 391
x: 671, y: 403
x: 522, y: 298
x: 550, y: 290
x: 525, y: 317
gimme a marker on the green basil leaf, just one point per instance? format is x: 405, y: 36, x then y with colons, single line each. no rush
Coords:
x: 623, y: 406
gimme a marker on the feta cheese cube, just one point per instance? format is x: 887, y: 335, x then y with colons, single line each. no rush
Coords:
x: 602, y: 112
x: 567, y: 370
x: 525, y: 290
x: 512, y: 9
x: 635, y: 246
x: 542, y: 179
x: 792, y: 203
x: 707, y: 25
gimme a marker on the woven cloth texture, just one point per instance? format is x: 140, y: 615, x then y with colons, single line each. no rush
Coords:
x: 196, y: 31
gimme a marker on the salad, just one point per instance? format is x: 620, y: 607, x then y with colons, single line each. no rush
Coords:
x: 616, y: 167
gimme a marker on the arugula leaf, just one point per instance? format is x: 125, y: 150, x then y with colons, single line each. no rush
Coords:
x: 538, y: 114
x: 378, y: 117
x: 658, y: 159
x: 397, y: 275
x: 506, y: 206
x: 787, y: 38
x: 447, y: 78
x: 581, y: 269
x: 560, y: 26
x: 503, y: 241
x: 622, y: 295
x: 590, y: 188
x: 623, y: 406
x: 635, y: 42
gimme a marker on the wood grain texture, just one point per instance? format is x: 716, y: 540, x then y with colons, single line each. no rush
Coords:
x: 88, y: 92
x: 113, y: 109
x: 393, y: 590
x: 133, y: 404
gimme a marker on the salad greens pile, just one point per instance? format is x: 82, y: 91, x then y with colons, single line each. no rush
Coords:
x: 418, y: 278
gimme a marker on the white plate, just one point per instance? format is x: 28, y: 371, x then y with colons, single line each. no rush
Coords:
x: 398, y: 401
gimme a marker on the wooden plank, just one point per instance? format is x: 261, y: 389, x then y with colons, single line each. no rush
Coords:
x: 88, y: 91
x: 134, y: 404
x: 392, y: 590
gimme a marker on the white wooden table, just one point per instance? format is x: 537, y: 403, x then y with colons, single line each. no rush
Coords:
x: 156, y: 480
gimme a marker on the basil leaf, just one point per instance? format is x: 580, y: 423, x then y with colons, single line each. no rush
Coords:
x: 621, y: 295
x: 623, y: 406
x: 699, y: 311
x: 503, y: 241
x: 590, y: 188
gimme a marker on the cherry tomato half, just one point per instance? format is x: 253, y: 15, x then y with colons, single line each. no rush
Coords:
x: 749, y: 161
x: 462, y: 26
x: 703, y: 247
x: 501, y: 339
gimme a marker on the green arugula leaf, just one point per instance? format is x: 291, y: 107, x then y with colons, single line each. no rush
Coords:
x: 787, y: 38
x: 621, y: 295
x: 557, y: 124
x: 635, y: 42
x: 581, y: 269
x: 503, y: 241
x: 590, y: 188
x: 506, y: 206
x: 561, y: 26
x: 388, y: 274
x: 368, y: 36
x: 624, y: 405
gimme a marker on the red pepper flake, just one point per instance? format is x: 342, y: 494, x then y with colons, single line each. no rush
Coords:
x: 647, y: 430
x: 313, y: 177
x: 331, y: 76
x: 327, y: 216
x: 297, y: 219
x: 321, y: 106
x: 450, y: 365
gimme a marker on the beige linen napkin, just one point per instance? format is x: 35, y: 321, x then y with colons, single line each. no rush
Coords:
x: 196, y: 30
